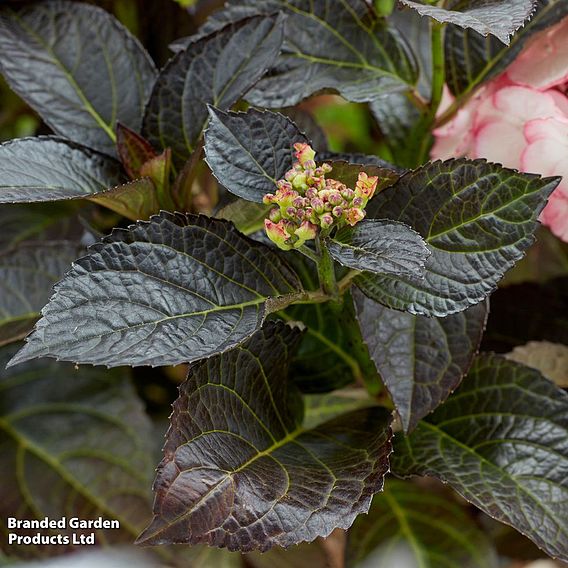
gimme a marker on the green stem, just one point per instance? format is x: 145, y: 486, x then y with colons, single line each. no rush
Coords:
x: 438, y: 81
x: 345, y: 282
x: 308, y: 252
x: 326, y: 270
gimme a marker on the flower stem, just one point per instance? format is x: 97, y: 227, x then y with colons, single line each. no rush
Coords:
x: 308, y: 252
x: 326, y: 270
x: 438, y: 81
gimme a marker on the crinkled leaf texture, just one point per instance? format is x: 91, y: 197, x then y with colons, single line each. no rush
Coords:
x: 249, y: 152
x: 74, y: 443
x: 48, y: 168
x: 425, y: 528
x: 328, y: 45
x: 78, y: 67
x: 27, y: 274
x: 217, y: 70
x: 164, y: 292
x: 501, y: 441
x: 239, y: 469
x: 500, y: 18
x: 420, y: 359
x: 380, y: 247
x: 472, y: 59
x: 478, y: 220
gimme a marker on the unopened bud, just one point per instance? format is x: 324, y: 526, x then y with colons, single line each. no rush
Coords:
x: 275, y: 216
x: 309, y: 164
x: 269, y: 198
x: 298, y: 202
x: 326, y: 168
x: 300, y: 182
x: 357, y: 202
x: 337, y: 211
x: 291, y: 211
x: 348, y: 194
x: 276, y: 232
x: 306, y: 231
x: 334, y: 197
x: 317, y: 205
x: 326, y: 221
x: 311, y: 193
x: 283, y: 184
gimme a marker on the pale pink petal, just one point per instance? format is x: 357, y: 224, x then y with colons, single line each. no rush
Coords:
x: 560, y: 99
x: 555, y: 214
x: 547, y: 147
x: 544, y: 62
x: 523, y: 104
x: 501, y: 142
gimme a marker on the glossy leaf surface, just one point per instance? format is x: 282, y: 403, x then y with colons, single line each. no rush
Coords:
x: 501, y: 441
x: 478, y: 220
x: 51, y: 169
x: 249, y: 152
x: 421, y: 360
x: 215, y: 70
x: 380, y: 247
x: 78, y: 67
x: 355, y: 52
x: 499, y: 18
x: 164, y: 292
x: 239, y: 469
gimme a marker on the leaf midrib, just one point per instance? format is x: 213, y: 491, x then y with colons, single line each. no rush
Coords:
x: 88, y: 106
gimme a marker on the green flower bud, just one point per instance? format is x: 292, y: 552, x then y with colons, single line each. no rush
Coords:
x: 277, y: 233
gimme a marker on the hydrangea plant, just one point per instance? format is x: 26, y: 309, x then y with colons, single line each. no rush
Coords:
x: 322, y: 310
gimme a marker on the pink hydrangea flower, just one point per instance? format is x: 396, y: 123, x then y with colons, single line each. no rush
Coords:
x: 520, y: 120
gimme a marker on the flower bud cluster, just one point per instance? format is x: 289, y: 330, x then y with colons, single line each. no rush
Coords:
x: 306, y: 202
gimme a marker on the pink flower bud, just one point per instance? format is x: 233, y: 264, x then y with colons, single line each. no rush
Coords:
x: 275, y: 216
x: 304, y: 152
x: 348, y: 194
x: 276, y: 232
x: 335, y: 197
x: 285, y: 197
x: 357, y: 202
x: 309, y: 164
x: 311, y: 193
x: 317, y: 205
x: 291, y: 211
x: 300, y: 213
x: 326, y: 221
x: 326, y: 168
x: 337, y: 211
x: 283, y: 184
x: 269, y: 198
x: 290, y: 175
x: 298, y: 202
